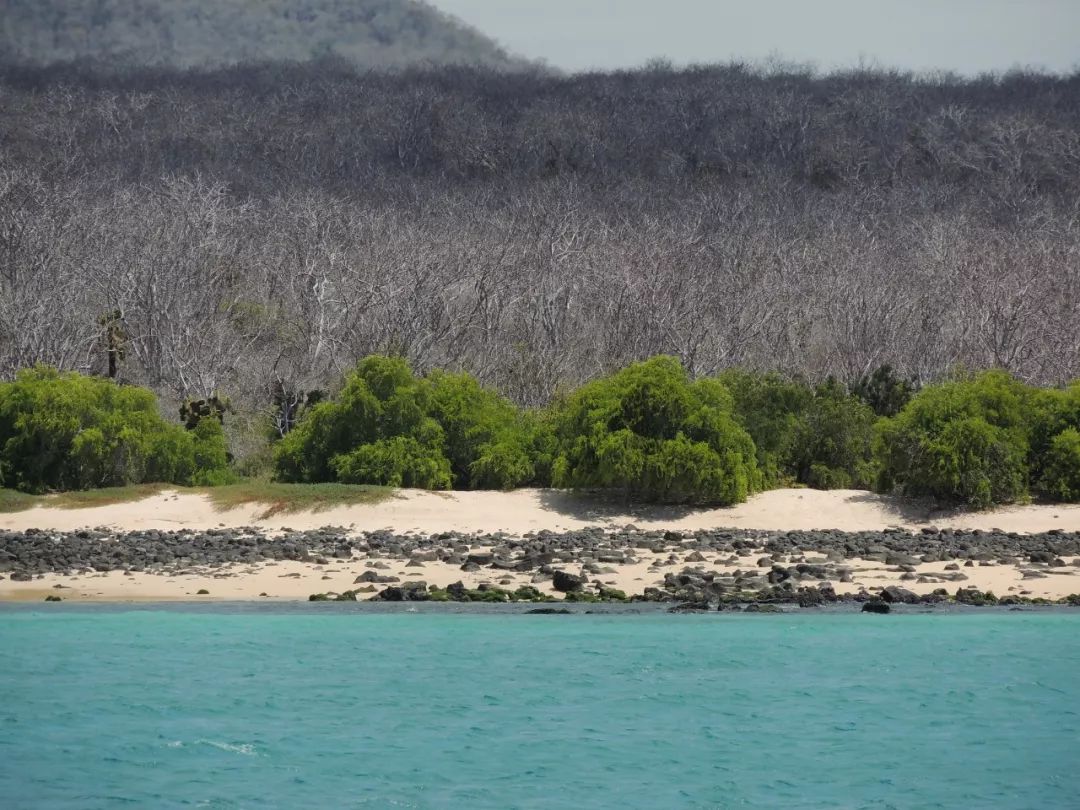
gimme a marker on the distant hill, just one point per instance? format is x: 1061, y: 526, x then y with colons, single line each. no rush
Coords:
x: 191, y: 33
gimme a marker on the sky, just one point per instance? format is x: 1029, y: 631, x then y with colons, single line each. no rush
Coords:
x: 963, y: 36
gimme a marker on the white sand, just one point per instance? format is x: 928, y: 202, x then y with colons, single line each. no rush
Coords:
x: 532, y: 509
x: 519, y: 512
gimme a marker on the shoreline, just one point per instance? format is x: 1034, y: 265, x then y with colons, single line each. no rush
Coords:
x: 782, y: 546
x: 714, y: 567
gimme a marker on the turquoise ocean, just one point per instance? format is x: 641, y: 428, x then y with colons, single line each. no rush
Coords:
x: 331, y: 706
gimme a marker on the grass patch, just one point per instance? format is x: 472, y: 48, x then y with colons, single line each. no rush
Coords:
x: 289, y: 498
x: 277, y: 498
x: 14, y: 501
x: 11, y: 500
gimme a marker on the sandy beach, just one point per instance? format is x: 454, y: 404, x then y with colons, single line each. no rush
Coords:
x: 527, y: 510
x: 517, y: 513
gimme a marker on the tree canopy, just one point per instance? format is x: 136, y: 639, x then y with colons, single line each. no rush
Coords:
x: 391, y: 427
x: 62, y: 431
x: 651, y: 433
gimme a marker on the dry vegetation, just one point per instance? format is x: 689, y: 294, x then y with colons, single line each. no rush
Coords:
x: 257, y: 230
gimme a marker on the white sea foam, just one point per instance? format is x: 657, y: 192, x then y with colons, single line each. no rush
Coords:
x: 247, y: 749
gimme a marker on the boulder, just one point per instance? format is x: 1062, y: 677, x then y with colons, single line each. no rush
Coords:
x: 896, y: 595
x: 875, y: 606
x: 403, y: 593
x: 567, y: 583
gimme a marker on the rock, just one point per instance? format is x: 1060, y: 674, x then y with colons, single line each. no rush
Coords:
x: 567, y: 583
x: 778, y: 574
x: 457, y: 591
x: 896, y: 558
x: 688, y: 607
x: 894, y: 594
x: 371, y: 576
x: 757, y: 607
x: 973, y: 596
x: 202, y: 592
x: 875, y: 606
x: 22, y: 576
x: 53, y: 598
x: 548, y: 612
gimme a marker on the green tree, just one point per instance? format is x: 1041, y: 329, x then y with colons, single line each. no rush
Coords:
x: 1060, y: 479
x: 390, y: 427
x: 832, y: 442
x: 963, y: 441
x: 770, y: 408
x: 61, y: 431
x: 650, y: 433
x: 884, y: 391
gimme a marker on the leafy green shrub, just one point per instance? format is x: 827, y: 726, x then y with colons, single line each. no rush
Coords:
x: 393, y: 428
x: 1060, y: 479
x: 650, y: 433
x: 884, y: 391
x: 1052, y: 412
x: 965, y: 441
x: 401, y: 461
x: 769, y: 408
x: 820, y: 437
x: 211, y: 454
x: 832, y: 442
x: 487, y: 440
x: 63, y: 431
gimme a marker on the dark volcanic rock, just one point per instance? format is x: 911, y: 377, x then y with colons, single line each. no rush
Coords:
x: 875, y: 606
x: 371, y: 576
x: 689, y: 607
x: 894, y: 594
x: 567, y: 583
x: 26, y: 555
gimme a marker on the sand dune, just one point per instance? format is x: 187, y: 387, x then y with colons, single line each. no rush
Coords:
x: 532, y: 509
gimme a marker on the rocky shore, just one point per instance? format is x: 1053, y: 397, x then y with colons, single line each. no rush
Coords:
x: 699, y: 570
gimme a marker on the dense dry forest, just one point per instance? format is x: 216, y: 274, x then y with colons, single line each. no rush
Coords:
x: 255, y: 230
x: 200, y: 33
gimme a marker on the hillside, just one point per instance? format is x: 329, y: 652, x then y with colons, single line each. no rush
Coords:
x: 190, y: 33
x: 260, y: 229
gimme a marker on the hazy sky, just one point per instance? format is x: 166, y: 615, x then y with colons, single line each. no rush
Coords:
x: 967, y: 36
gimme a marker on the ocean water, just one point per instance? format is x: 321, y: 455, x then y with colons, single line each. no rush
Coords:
x: 312, y: 707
